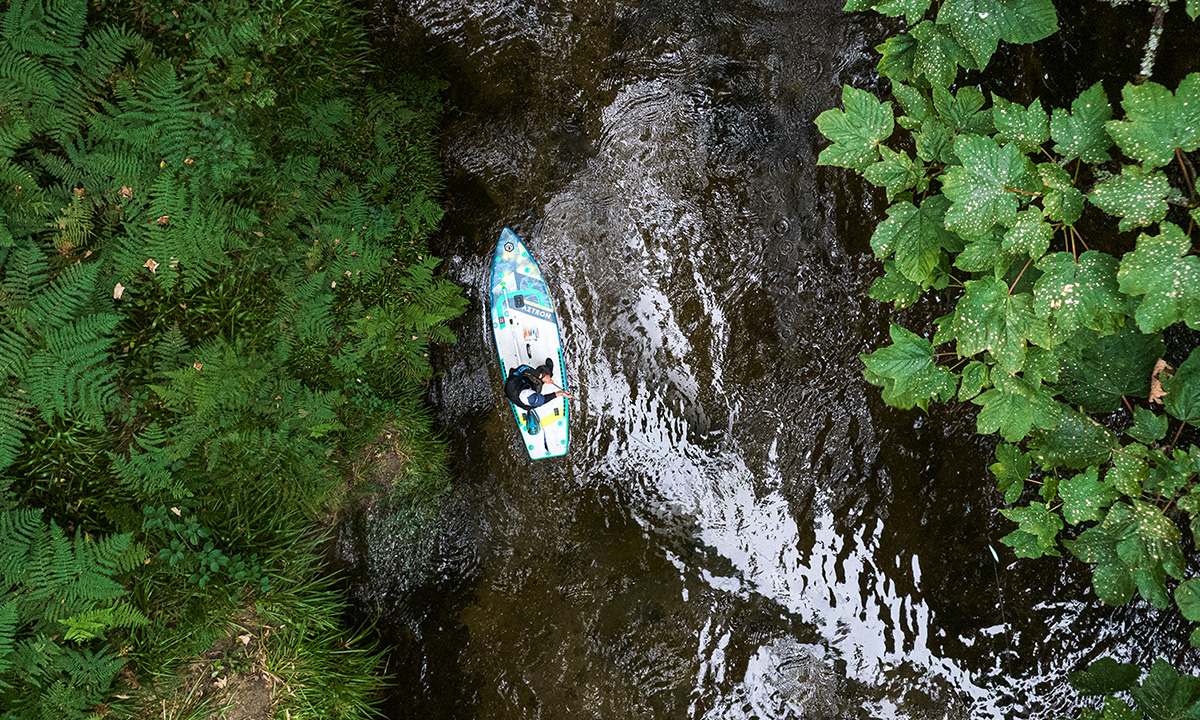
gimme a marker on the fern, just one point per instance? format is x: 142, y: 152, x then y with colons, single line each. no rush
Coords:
x: 53, y: 30
x: 14, y: 424
x: 148, y: 469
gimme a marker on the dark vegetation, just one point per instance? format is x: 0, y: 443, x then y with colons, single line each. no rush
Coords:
x: 214, y: 292
x: 1063, y: 234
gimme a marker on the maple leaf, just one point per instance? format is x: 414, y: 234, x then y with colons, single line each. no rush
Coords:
x: 1014, y: 407
x: 1080, y: 133
x: 917, y: 237
x: 856, y: 132
x: 1160, y: 269
x: 1157, y: 121
x: 980, y: 25
x: 1037, y: 534
x: 1030, y: 235
x: 1085, y: 497
x: 979, y: 189
x: 1061, y: 199
x: 1137, y: 197
x: 989, y: 318
x: 1027, y: 127
x: 907, y: 371
x: 1075, y: 442
x: 938, y: 54
x: 1079, y: 294
x: 1012, y: 469
x: 1110, y: 367
x: 896, y: 173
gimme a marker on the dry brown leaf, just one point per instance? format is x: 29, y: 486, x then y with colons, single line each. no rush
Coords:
x: 152, y: 264
x: 1156, y: 389
x: 118, y: 291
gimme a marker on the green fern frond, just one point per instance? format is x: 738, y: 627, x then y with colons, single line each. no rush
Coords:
x: 25, y: 273
x: 323, y: 123
x: 19, y: 530
x: 73, y: 226
x: 14, y: 424
x: 52, y: 30
x: 158, y: 116
x: 8, y: 638
x: 148, y: 469
x: 61, y: 301
x: 73, y: 375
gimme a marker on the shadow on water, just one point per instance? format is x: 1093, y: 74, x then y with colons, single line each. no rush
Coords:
x: 742, y: 528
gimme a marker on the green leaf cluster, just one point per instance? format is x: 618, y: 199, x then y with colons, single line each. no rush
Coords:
x: 1056, y: 337
x: 214, y: 290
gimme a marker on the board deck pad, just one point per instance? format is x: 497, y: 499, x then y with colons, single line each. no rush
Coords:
x: 525, y: 327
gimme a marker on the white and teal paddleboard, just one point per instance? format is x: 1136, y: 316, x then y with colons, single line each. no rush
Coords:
x: 526, y: 330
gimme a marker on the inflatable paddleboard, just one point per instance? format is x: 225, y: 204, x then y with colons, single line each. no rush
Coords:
x: 525, y: 327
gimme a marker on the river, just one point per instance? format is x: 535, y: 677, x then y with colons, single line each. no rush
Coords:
x: 742, y: 528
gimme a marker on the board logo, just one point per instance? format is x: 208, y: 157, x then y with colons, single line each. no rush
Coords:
x: 538, y: 311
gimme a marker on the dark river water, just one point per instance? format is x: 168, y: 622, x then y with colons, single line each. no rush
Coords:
x: 742, y: 529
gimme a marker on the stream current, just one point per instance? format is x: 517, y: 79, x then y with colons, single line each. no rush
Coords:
x: 742, y: 528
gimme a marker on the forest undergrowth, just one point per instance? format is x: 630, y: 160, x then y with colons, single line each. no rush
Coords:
x: 215, y: 292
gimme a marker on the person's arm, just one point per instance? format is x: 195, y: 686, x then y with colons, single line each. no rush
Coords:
x: 560, y: 393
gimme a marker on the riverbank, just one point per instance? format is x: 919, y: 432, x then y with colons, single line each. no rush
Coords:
x: 217, y: 295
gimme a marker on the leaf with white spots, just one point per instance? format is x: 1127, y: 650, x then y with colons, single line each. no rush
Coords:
x: 1085, y: 497
x: 1079, y: 294
x: 1076, y: 442
x: 984, y: 254
x: 856, y: 132
x: 1158, y: 122
x: 893, y: 287
x: 912, y: 10
x: 1111, y: 579
x: 1160, y: 269
x: 981, y: 188
x: 1030, y: 235
x: 1080, y: 133
x: 915, y: 104
x: 938, y: 54
x: 1062, y: 201
x: 935, y: 141
x: 981, y: 24
x: 1137, y: 197
x: 989, y: 318
x: 1027, y: 127
x: 963, y: 110
x: 974, y: 380
x: 896, y: 55
x: 896, y: 172
x: 1129, y: 470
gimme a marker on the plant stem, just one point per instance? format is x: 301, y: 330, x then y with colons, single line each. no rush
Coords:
x: 1010, y: 290
x: 1126, y: 401
x: 1177, y: 434
x: 1023, y: 192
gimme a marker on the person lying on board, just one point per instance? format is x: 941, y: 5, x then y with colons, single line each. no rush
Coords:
x: 524, y: 386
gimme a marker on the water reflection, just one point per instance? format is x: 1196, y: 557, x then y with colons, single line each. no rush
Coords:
x: 742, y: 529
